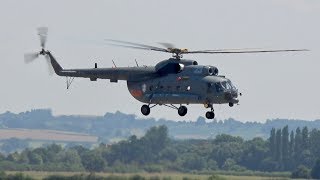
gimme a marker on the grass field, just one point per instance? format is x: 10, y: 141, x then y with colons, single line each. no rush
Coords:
x: 172, y: 176
x: 52, y: 135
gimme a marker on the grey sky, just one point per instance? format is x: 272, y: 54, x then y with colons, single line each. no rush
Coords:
x: 279, y: 85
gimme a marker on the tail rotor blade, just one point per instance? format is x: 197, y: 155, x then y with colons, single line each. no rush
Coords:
x: 29, y: 57
x: 43, y: 32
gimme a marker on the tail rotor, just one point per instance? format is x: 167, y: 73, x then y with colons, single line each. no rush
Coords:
x: 30, y: 57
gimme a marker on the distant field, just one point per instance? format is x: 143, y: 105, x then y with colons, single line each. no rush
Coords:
x: 173, y: 176
x: 37, y: 134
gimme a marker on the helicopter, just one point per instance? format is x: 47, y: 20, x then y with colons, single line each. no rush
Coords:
x: 174, y: 82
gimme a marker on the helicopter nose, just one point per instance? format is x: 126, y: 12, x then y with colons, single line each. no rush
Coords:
x: 231, y: 96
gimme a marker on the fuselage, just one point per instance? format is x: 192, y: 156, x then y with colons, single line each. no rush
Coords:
x: 195, y: 84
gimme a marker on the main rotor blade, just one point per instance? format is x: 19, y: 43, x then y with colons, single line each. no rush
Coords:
x: 242, y: 51
x: 137, y: 45
x: 29, y: 57
x: 43, y: 32
x: 167, y: 45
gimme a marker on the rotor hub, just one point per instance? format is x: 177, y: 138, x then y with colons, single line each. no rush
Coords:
x: 177, y: 53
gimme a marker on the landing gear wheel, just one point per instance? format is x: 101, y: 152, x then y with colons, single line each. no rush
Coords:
x: 230, y: 104
x: 145, y: 110
x: 210, y: 115
x: 182, y: 110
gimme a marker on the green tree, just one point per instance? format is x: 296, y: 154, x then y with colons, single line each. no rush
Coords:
x: 278, y: 146
x: 169, y: 153
x: 224, y: 150
x: 14, y: 157
x: 69, y: 156
x: 272, y: 143
x: 314, y: 141
x: 305, y: 137
x: 231, y: 165
x: 285, y: 145
x: 298, y: 146
x: 269, y: 164
x: 93, y: 161
x: 307, y: 158
x: 298, y: 142
x: 255, y: 151
x: 24, y: 156
x: 157, y: 137
x: 315, y: 172
x: 153, y: 142
x: 301, y: 172
x: 193, y: 162
x: 2, y: 157
x: 291, y: 144
x: 35, y: 158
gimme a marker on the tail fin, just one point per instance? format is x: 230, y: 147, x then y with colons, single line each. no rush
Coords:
x: 56, y: 66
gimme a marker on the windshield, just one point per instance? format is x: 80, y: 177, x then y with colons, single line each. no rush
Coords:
x: 224, y: 85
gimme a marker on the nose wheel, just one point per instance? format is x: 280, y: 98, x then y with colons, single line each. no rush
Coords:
x: 210, y: 115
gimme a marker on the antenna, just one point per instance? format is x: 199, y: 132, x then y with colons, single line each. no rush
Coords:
x: 114, y: 64
x: 136, y: 62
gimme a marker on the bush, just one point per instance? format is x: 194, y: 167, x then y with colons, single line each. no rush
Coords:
x: 315, y: 172
x: 91, y: 176
x: 136, y: 177
x: 216, y: 177
x: 166, y: 178
x: 301, y: 172
x: 18, y: 176
x: 153, y: 168
x: 155, y: 178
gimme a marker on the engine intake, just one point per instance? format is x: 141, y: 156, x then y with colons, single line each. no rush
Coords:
x: 210, y: 71
x: 170, y: 68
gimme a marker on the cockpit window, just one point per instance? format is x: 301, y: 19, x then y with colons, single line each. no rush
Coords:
x: 224, y: 85
x: 232, y: 86
x: 219, y: 87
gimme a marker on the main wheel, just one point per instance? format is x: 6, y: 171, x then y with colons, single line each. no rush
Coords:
x: 182, y: 110
x: 210, y: 115
x: 230, y: 104
x: 145, y: 110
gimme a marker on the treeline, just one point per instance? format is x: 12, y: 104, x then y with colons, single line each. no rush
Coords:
x: 289, y: 150
x: 119, y: 125
x: 156, y: 152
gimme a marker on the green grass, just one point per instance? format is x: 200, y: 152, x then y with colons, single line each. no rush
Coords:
x: 163, y: 175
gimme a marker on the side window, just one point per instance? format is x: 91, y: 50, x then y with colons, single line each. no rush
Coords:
x: 209, y: 87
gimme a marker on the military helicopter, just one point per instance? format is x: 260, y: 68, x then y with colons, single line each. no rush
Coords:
x: 171, y: 82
